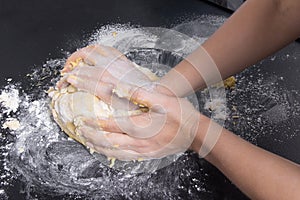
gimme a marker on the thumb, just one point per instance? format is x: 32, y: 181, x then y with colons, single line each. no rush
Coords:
x: 147, y: 97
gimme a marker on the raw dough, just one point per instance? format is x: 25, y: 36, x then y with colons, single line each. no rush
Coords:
x: 69, y: 106
x: 12, y: 124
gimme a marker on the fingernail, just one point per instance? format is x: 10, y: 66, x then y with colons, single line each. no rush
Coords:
x: 78, y: 60
x: 64, y: 70
x: 78, y: 132
x: 90, y: 145
x: 73, y: 64
x: 72, y: 79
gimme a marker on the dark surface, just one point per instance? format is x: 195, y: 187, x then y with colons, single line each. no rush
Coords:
x: 33, y: 31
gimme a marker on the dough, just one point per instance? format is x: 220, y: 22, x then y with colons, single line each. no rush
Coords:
x: 11, y: 123
x: 69, y: 106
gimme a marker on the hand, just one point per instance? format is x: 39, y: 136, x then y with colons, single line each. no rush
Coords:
x: 97, y: 68
x: 168, y: 128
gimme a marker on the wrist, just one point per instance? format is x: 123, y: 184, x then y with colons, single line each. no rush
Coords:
x: 159, y: 88
x: 200, y: 133
x: 207, y: 135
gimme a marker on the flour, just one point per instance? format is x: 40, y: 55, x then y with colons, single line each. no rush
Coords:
x: 218, y: 105
x: 10, y: 100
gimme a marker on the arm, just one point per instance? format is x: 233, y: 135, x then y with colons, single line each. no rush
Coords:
x: 256, y: 30
x: 258, y: 173
x: 178, y: 126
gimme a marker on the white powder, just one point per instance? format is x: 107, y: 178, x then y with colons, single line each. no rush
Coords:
x: 10, y: 100
x: 218, y: 108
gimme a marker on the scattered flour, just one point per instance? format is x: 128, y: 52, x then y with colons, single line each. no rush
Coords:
x: 218, y: 106
x: 10, y: 100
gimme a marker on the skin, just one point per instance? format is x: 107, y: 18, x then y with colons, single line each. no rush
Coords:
x: 263, y: 27
x: 256, y: 30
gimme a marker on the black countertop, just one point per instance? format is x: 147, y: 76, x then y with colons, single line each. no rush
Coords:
x: 33, y: 31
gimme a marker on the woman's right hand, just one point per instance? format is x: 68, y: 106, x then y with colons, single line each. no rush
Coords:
x: 169, y: 127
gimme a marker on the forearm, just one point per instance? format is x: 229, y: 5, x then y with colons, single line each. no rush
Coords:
x: 256, y: 30
x: 258, y: 173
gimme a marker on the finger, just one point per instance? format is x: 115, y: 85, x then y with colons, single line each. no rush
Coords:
x: 89, y: 145
x: 155, y: 101
x: 73, y: 61
x: 94, y: 137
x: 109, y: 140
x: 112, y: 50
x: 62, y: 83
x: 100, y: 89
x: 125, y: 142
x: 108, y: 125
x: 124, y: 155
x: 123, y: 104
x: 90, y: 72
x: 101, y: 49
x: 121, y: 146
x: 83, y: 72
x: 141, y: 126
x: 138, y: 149
x: 83, y: 54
